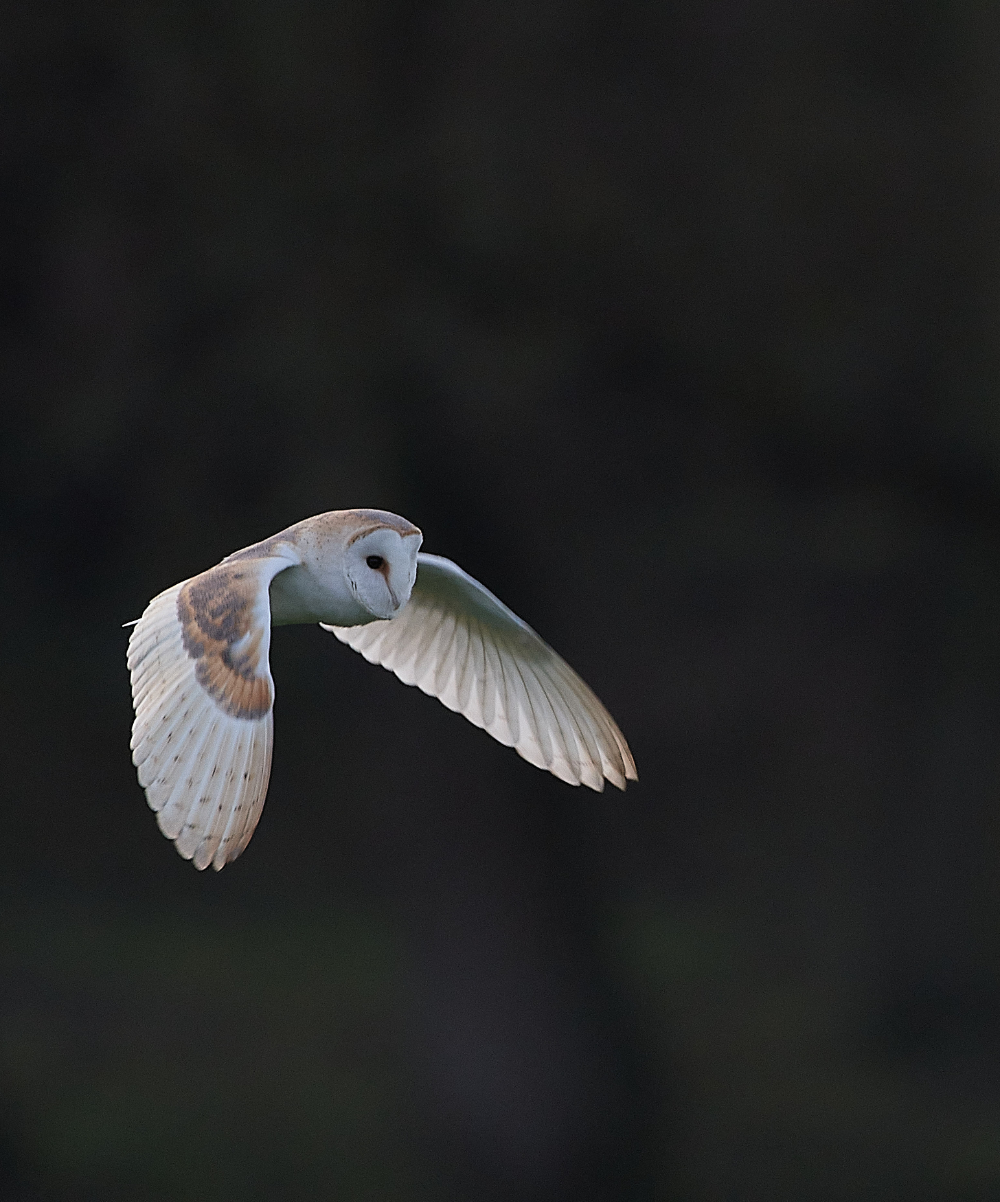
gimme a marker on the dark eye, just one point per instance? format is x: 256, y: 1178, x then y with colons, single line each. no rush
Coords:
x: 375, y: 561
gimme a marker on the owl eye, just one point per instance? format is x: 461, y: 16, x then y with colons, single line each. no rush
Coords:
x: 375, y: 561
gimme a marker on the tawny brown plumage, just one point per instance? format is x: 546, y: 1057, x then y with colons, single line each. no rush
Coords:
x: 215, y: 611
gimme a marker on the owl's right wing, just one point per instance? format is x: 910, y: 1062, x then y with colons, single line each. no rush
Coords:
x: 457, y: 642
x: 202, y: 692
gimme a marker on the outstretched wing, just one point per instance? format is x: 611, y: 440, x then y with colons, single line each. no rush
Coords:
x: 202, y: 692
x: 457, y: 642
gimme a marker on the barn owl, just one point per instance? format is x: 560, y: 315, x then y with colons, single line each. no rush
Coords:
x: 203, y: 694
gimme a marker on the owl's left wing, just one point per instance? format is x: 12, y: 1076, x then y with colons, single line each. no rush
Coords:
x: 459, y: 643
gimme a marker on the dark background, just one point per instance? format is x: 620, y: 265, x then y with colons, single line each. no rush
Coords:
x: 676, y: 325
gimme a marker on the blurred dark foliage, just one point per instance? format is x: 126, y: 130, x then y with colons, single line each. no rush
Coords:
x: 676, y: 325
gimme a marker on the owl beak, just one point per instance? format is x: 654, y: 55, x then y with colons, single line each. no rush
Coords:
x: 384, y: 569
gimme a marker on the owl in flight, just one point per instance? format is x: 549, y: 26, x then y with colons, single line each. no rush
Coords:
x: 203, y: 694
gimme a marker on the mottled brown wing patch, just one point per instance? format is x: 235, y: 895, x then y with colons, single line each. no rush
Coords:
x: 222, y: 634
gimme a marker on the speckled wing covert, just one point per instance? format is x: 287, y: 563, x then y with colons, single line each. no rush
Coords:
x: 203, y: 694
x: 459, y: 643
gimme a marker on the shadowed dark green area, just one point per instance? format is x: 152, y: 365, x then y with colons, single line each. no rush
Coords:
x: 674, y: 324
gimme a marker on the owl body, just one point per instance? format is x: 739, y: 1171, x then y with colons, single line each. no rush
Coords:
x: 203, y: 693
